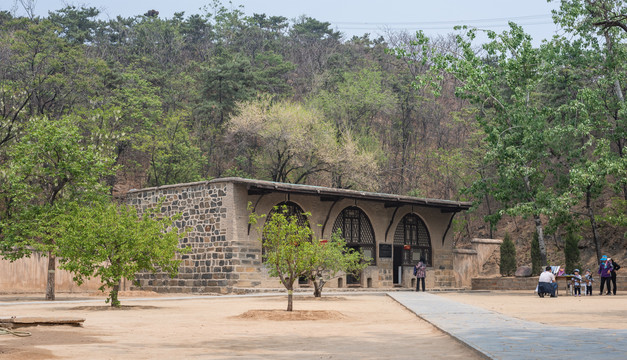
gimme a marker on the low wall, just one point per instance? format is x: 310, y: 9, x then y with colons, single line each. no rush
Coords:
x: 529, y: 283
x: 505, y: 283
x: 29, y: 275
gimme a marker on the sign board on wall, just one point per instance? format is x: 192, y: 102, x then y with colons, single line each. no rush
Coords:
x: 385, y: 250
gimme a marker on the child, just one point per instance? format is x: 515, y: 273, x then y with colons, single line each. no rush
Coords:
x: 589, y: 280
x: 577, y: 283
x: 561, y: 272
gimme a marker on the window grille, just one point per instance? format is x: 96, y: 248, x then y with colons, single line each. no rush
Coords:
x: 357, y: 231
x: 413, y: 235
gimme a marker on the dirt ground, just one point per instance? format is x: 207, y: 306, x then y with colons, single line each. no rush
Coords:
x: 334, y: 327
x: 597, y: 312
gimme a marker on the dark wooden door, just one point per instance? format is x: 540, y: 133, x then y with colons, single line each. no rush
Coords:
x: 396, y: 262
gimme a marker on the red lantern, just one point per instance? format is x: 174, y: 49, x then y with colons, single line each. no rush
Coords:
x: 407, y: 247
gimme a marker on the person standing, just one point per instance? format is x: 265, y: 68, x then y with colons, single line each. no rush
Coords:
x: 605, y: 270
x: 577, y: 279
x: 615, y: 268
x: 589, y: 281
x: 420, y: 271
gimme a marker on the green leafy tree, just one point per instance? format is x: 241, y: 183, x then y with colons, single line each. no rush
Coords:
x: 41, y: 74
x: 77, y: 24
x: 508, y: 256
x: 51, y: 165
x: 174, y: 158
x: 504, y: 81
x: 358, y: 99
x: 111, y: 242
x: 331, y: 258
x: 287, y: 248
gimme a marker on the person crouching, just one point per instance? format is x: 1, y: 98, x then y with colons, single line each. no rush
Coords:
x: 546, y: 283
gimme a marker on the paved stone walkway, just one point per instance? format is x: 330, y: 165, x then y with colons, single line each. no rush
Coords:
x: 499, y: 336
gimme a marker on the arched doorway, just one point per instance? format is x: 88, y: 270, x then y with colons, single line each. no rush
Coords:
x: 411, y: 243
x: 358, y: 233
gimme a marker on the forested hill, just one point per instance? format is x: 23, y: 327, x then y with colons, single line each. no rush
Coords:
x: 534, y: 135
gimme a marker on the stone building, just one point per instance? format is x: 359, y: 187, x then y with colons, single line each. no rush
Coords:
x: 226, y: 251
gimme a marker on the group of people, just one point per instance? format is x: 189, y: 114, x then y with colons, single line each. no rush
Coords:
x: 547, y: 283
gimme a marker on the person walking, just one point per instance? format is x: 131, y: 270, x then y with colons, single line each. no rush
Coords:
x: 615, y: 268
x: 420, y: 271
x: 605, y: 270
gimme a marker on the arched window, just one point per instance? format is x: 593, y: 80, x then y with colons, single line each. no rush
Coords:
x: 292, y: 210
x: 413, y: 235
x: 357, y: 231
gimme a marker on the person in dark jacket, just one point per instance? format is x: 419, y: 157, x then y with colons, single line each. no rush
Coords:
x: 420, y: 271
x: 615, y: 268
x: 605, y: 270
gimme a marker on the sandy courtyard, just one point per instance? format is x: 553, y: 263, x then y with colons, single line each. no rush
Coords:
x: 334, y: 327
x: 350, y: 327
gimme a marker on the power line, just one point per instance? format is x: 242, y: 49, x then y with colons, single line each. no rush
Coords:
x: 417, y: 26
x: 419, y: 23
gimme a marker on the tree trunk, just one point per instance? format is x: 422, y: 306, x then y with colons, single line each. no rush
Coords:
x: 114, y: 295
x: 541, y: 243
x: 318, y: 288
x: 539, y: 230
x: 50, y: 284
x: 593, y: 224
x: 290, y: 295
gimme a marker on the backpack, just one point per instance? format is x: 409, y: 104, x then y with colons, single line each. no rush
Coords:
x: 419, y: 270
x: 616, y: 266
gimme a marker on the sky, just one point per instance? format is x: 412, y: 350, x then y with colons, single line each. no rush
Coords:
x: 351, y: 17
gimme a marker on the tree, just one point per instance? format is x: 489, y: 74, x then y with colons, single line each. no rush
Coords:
x: 358, y: 99
x: 287, y: 248
x: 111, y: 242
x: 571, y: 250
x: 294, y: 142
x: 504, y: 82
x: 536, y: 257
x: 51, y: 165
x: 77, y: 24
x: 40, y: 75
x: 508, y: 256
x: 597, y: 30
x: 173, y: 156
x: 329, y: 258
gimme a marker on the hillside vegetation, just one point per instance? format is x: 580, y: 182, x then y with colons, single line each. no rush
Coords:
x: 533, y: 135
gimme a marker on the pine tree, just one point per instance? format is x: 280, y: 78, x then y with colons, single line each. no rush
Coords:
x: 536, y: 258
x: 508, y: 257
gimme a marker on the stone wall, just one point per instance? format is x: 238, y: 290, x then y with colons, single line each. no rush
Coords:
x: 203, y: 208
x: 470, y: 263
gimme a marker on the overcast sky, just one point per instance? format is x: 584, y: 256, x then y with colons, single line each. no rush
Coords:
x: 351, y: 17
